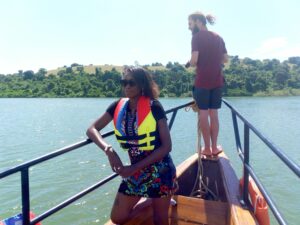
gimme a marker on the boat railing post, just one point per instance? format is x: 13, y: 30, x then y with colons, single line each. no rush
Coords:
x: 25, y: 196
x: 246, y: 162
x: 237, y: 134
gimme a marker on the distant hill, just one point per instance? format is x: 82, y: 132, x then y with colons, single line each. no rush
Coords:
x: 91, y: 69
x: 88, y: 69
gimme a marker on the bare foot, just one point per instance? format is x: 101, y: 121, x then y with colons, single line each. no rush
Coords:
x: 217, y: 151
x: 206, y: 152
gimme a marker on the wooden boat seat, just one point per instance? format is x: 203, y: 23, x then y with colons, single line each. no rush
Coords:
x: 191, y: 210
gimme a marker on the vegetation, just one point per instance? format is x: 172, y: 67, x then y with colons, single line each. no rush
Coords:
x: 244, y: 77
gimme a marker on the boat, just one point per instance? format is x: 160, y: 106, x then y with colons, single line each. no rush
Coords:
x: 217, y: 202
x: 209, y: 190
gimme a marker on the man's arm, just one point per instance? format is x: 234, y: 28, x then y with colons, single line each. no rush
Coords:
x: 194, y: 58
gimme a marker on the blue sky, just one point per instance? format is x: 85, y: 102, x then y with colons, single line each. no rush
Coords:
x: 53, y: 33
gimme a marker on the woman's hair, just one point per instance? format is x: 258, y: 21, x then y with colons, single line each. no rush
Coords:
x: 204, y: 19
x: 144, y: 81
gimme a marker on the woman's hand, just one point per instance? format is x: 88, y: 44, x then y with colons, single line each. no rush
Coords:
x: 127, y: 171
x: 114, y: 161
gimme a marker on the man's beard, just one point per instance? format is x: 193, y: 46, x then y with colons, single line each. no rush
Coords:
x: 195, y: 30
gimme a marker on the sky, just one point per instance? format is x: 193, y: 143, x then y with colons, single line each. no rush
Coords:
x: 49, y: 34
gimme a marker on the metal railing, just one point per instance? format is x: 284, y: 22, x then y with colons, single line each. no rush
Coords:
x: 243, y: 152
x: 24, y: 170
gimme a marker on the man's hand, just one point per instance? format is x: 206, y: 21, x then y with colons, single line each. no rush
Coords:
x: 187, y: 65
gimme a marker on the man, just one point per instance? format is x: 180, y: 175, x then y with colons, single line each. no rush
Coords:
x: 208, y: 56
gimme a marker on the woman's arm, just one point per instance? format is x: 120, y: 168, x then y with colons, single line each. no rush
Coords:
x: 96, y: 137
x: 157, y: 155
x: 93, y: 130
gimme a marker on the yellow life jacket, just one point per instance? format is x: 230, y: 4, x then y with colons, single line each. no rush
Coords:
x: 147, y: 135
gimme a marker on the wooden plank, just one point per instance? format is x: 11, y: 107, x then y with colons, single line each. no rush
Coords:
x: 185, y: 165
x: 199, y: 211
x: 238, y: 215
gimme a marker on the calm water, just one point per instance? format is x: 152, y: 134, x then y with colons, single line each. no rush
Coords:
x: 30, y: 128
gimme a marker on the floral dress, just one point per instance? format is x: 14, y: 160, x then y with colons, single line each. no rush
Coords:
x: 157, y: 179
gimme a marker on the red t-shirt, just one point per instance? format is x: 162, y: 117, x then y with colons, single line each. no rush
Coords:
x: 211, y: 48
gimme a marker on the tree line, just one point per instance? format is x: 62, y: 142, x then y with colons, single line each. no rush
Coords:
x: 243, y: 77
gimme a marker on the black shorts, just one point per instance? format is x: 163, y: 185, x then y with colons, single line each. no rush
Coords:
x: 208, y: 98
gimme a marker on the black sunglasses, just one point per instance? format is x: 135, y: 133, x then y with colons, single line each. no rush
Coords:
x: 131, y: 83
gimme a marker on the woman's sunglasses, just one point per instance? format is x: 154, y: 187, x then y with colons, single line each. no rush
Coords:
x: 131, y: 83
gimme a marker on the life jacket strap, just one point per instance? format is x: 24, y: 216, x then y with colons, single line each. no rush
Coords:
x: 130, y: 138
x: 128, y: 145
x: 136, y: 137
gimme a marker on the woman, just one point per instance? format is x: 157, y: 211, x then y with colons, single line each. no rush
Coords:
x: 141, y: 129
